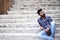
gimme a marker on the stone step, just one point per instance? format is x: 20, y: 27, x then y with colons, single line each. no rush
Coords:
x: 33, y: 12
x: 41, y: 1
x: 50, y: 7
x: 37, y: 0
x: 23, y: 4
x: 23, y: 36
x: 27, y: 16
x: 36, y: 3
x: 56, y: 4
x: 26, y: 2
x: 50, y: 1
x: 57, y: 20
x: 23, y: 30
x: 19, y: 30
x: 18, y: 36
x: 22, y: 25
x: 36, y: 7
x: 17, y: 20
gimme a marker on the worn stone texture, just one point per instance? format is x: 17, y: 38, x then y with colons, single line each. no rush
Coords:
x: 21, y: 21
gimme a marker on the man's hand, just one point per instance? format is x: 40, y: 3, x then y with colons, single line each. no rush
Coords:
x: 47, y: 29
x: 41, y: 28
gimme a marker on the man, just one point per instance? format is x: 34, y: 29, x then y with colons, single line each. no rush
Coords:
x: 47, y: 26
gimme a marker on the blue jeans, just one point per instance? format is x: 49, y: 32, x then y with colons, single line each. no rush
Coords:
x: 44, y: 36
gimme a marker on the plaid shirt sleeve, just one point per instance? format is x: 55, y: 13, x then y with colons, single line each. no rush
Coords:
x: 49, y: 20
x: 40, y: 23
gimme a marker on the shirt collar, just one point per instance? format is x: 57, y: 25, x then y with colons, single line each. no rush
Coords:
x: 44, y: 18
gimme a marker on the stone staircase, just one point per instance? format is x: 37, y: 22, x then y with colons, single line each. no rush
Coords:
x: 21, y: 21
x: 36, y: 4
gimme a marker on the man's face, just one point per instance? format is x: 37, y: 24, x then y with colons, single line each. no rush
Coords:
x: 42, y: 14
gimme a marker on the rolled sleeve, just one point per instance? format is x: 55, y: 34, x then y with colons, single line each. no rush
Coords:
x: 39, y: 23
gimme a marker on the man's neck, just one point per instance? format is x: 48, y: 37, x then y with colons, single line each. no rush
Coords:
x: 43, y: 17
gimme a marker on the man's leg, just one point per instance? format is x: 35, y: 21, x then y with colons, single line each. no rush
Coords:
x: 53, y: 28
x: 43, y: 35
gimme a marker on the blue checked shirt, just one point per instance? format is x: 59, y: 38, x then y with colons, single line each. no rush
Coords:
x: 44, y: 23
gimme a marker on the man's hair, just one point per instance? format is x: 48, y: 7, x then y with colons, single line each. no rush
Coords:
x: 38, y: 11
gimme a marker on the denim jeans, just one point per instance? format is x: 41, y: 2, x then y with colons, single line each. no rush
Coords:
x: 43, y: 34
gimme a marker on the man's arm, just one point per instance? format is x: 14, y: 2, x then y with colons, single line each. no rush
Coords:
x: 41, y: 27
x: 49, y: 21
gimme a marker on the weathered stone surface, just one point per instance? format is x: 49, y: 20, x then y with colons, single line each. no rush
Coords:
x: 36, y: 4
x: 17, y: 36
x: 22, y: 19
x: 24, y: 30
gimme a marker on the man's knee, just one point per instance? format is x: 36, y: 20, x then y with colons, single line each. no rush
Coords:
x: 41, y: 33
x: 52, y: 23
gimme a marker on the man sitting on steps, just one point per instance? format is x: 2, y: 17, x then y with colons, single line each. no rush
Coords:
x: 47, y: 26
